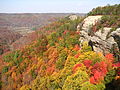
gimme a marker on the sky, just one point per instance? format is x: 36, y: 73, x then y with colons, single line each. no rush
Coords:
x: 52, y: 6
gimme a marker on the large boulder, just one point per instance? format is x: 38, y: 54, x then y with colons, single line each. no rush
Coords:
x: 104, y: 40
x: 90, y: 21
x: 73, y: 17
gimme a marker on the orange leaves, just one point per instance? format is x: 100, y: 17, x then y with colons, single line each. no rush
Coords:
x: 76, y: 66
x: 77, y: 55
x: 50, y: 70
x: 52, y: 53
x: 92, y: 80
x: 59, y: 38
x: 109, y: 57
x: 14, y: 76
x: 76, y: 47
x: 117, y: 77
x: 13, y: 69
x: 65, y: 58
x: 109, y: 60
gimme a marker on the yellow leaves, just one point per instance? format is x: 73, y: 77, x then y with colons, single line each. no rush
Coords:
x: 25, y: 87
x: 81, y: 58
x: 65, y: 71
x: 100, y: 54
x: 79, y: 66
x: 90, y: 55
x: 55, y: 75
x: 86, y: 55
x: 40, y: 62
x: 85, y: 47
x: 70, y: 61
x: 85, y: 43
x: 33, y: 67
x: 74, y: 81
x: 10, y: 64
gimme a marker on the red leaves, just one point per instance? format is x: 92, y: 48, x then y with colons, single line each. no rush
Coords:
x: 92, y: 80
x: 76, y: 66
x: 77, y: 55
x: 77, y: 47
x: 65, y: 32
x: 50, y: 70
x: 116, y: 64
x: 97, y: 75
x: 78, y: 32
x: 101, y: 67
x: 87, y: 63
x: 109, y: 57
x: 96, y: 78
x: 99, y: 70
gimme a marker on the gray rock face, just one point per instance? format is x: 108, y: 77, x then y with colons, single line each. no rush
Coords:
x: 117, y: 32
x: 103, y: 40
x: 90, y: 21
x: 116, y: 36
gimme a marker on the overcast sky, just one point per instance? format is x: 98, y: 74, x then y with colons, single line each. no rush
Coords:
x: 52, y: 6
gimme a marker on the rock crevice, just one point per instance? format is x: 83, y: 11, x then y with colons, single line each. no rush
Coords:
x: 104, y: 40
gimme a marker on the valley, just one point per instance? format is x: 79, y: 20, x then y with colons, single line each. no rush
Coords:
x: 19, y: 25
x: 68, y: 52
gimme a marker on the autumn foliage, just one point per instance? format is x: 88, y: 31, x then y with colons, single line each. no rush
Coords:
x: 56, y: 62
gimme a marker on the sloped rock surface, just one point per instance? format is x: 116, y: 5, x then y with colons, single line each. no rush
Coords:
x: 104, y: 40
x: 90, y: 21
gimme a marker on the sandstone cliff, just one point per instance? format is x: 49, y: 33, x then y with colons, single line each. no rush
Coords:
x: 103, y: 40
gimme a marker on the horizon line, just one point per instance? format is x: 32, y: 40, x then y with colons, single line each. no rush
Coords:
x: 39, y: 12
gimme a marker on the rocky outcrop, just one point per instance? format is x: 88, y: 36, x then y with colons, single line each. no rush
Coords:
x: 73, y: 17
x: 116, y: 36
x: 104, y: 40
x: 90, y: 21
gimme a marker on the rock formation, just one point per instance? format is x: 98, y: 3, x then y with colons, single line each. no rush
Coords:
x: 104, y: 40
x: 73, y: 17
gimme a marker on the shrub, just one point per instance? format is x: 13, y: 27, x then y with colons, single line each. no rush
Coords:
x: 75, y: 81
x: 106, y: 10
x: 5, y: 69
x: 61, y: 59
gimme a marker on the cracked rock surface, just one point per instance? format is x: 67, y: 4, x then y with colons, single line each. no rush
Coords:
x: 104, y: 40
